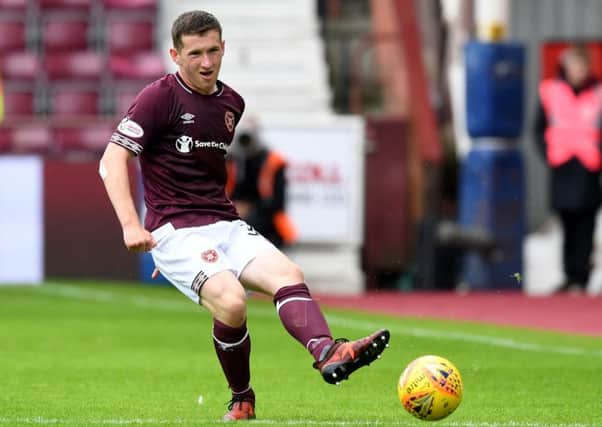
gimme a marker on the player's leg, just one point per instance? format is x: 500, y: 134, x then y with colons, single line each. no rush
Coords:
x: 268, y: 270
x: 192, y: 261
x: 274, y: 274
x: 223, y: 295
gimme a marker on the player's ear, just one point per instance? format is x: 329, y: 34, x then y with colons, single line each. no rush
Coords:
x: 175, y: 56
x: 223, y: 45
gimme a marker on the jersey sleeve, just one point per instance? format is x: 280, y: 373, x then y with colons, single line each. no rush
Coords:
x: 241, y: 103
x: 144, y: 120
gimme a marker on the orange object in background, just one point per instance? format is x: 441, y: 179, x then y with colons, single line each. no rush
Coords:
x: 551, y: 51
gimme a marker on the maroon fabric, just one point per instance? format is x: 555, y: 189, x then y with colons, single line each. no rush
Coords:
x: 182, y: 137
x: 246, y: 396
x: 235, y: 360
x: 317, y: 348
x: 303, y: 319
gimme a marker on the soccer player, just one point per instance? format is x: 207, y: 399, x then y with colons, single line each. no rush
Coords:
x: 180, y: 127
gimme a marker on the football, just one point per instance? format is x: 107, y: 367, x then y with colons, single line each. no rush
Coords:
x: 430, y: 388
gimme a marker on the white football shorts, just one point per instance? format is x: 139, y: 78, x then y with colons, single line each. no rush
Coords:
x: 189, y: 256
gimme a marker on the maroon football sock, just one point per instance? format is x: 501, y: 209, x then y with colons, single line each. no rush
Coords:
x: 233, y: 348
x: 247, y: 395
x: 302, y: 318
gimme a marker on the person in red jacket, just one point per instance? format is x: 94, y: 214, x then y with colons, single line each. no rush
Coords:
x: 568, y: 136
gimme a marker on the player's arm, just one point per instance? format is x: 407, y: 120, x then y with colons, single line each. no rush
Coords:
x: 114, y: 172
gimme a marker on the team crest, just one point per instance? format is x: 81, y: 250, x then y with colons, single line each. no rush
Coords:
x: 209, y: 255
x: 229, y: 120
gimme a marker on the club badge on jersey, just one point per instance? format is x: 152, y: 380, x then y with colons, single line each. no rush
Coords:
x: 229, y: 120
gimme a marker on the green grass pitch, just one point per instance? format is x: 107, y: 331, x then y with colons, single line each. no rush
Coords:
x: 89, y: 354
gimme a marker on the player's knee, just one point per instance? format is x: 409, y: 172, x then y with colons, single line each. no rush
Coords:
x: 291, y: 273
x: 296, y: 272
x: 234, y: 306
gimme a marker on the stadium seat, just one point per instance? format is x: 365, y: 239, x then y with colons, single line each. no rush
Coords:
x: 129, y: 36
x: 89, y: 136
x: 64, y: 35
x: 65, y: 5
x: 141, y: 66
x: 124, y: 96
x: 130, y: 4
x: 5, y: 140
x: 82, y: 66
x: 19, y: 66
x: 130, y: 73
x: 17, y: 6
x: 34, y: 138
x: 12, y: 36
x: 18, y: 103
x: 73, y: 102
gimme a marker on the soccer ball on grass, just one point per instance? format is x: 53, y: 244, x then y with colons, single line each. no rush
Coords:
x: 430, y: 388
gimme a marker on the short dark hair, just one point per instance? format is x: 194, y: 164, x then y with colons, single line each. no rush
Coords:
x: 193, y: 22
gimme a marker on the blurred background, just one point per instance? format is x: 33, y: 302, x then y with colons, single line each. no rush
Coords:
x: 407, y: 126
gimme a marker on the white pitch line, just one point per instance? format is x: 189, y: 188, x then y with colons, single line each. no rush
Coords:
x: 75, y: 292
x: 466, y: 337
x: 297, y: 422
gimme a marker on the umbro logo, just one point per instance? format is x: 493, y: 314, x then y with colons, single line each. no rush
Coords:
x: 187, y: 118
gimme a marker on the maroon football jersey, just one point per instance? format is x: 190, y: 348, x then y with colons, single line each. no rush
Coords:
x: 181, y: 138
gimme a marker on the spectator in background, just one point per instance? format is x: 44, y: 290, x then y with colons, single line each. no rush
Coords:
x: 568, y: 136
x: 257, y: 186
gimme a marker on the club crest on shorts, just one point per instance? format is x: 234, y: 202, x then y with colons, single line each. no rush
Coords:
x: 209, y: 255
x: 229, y: 120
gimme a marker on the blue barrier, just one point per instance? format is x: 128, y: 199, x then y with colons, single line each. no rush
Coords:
x: 494, y: 89
x: 492, y: 193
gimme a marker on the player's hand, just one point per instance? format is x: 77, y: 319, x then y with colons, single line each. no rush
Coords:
x: 243, y: 208
x: 137, y: 239
x: 155, y: 273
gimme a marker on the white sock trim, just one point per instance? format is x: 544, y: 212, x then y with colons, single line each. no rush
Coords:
x: 311, y: 341
x: 279, y: 304
x: 244, y: 391
x: 226, y: 345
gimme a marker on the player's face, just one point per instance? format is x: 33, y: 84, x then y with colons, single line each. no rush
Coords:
x: 199, y: 60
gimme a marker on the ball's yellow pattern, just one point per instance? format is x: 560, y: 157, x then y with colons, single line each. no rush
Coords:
x: 430, y: 388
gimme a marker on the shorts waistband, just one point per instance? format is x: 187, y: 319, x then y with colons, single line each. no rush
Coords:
x: 164, y: 230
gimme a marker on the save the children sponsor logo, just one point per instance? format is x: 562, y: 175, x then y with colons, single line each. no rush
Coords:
x: 185, y: 144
